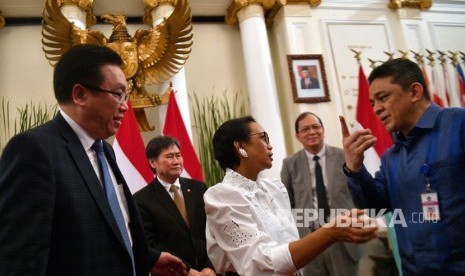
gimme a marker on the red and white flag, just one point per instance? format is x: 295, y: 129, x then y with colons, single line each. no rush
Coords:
x: 130, y: 153
x: 461, y: 80
x: 367, y: 118
x: 432, y: 88
x: 442, y: 92
x: 174, y: 126
x: 453, y: 100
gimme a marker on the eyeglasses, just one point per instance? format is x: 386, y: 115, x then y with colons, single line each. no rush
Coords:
x: 264, y: 136
x: 121, y: 96
x: 306, y: 129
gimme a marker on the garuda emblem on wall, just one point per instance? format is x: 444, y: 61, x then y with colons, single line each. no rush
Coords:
x: 152, y: 56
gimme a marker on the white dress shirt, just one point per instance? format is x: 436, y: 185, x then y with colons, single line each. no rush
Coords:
x: 87, y: 143
x: 249, y: 226
x: 167, y: 187
x: 311, y: 164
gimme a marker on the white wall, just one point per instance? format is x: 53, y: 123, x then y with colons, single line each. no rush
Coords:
x: 216, y: 62
x: 334, y: 27
x: 25, y: 74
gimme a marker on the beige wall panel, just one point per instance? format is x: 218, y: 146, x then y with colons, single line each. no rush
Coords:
x: 370, y: 37
x: 216, y: 63
x: 414, y: 38
x: 448, y: 36
x: 25, y: 74
x: 216, y: 66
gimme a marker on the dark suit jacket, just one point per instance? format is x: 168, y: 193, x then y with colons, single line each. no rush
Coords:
x: 315, y: 84
x: 55, y: 218
x: 298, y: 179
x: 164, y: 226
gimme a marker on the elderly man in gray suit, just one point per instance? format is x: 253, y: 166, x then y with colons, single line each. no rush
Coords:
x: 315, y: 182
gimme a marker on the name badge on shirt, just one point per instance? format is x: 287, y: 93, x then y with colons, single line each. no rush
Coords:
x: 429, y: 199
x: 430, y: 206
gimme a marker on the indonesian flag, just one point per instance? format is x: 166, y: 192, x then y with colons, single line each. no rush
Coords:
x: 461, y: 79
x: 130, y: 153
x: 174, y: 126
x: 367, y: 118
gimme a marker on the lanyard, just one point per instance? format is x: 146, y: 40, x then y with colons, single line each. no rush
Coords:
x: 394, y: 168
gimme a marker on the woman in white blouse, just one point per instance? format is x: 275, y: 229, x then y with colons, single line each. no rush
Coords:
x: 250, y: 227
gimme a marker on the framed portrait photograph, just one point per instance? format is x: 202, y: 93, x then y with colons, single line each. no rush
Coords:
x: 308, y: 78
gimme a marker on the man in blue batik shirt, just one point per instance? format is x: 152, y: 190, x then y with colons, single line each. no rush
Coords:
x: 427, y: 161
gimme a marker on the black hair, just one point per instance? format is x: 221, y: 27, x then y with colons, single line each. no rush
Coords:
x: 224, y: 138
x: 156, y: 145
x: 403, y: 71
x: 302, y: 116
x: 81, y: 64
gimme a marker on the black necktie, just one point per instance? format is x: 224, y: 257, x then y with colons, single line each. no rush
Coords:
x: 321, y: 190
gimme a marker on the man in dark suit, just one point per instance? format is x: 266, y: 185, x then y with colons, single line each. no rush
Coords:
x: 65, y: 207
x: 172, y: 208
x: 299, y: 176
x: 307, y: 81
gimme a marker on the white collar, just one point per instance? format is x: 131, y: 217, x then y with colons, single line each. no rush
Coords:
x: 167, y: 185
x: 86, y: 140
x: 320, y: 154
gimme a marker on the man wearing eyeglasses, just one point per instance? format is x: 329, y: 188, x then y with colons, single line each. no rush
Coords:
x: 65, y: 207
x: 316, y: 185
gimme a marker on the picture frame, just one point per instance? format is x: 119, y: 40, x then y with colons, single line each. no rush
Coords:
x: 308, y: 78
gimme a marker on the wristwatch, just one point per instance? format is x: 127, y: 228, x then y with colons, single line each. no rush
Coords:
x: 347, y: 170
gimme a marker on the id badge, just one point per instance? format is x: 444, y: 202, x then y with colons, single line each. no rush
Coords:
x: 430, y: 206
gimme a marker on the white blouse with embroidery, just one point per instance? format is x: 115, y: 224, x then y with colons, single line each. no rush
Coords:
x: 249, y: 226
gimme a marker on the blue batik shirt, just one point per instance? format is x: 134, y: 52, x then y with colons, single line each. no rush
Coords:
x: 438, y: 140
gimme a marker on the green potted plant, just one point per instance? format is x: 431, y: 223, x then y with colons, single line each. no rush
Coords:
x: 209, y: 113
x: 27, y: 116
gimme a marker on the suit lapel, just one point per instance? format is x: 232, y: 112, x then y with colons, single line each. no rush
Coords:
x: 79, y: 155
x: 168, y: 203
x: 187, y: 192
x: 304, y: 168
x: 330, y: 163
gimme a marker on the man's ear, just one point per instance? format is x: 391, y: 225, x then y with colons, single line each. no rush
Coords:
x: 153, y: 164
x: 79, y: 94
x: 417, y: 91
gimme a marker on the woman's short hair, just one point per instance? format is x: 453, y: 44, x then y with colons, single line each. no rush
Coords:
x: 224, y: 137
